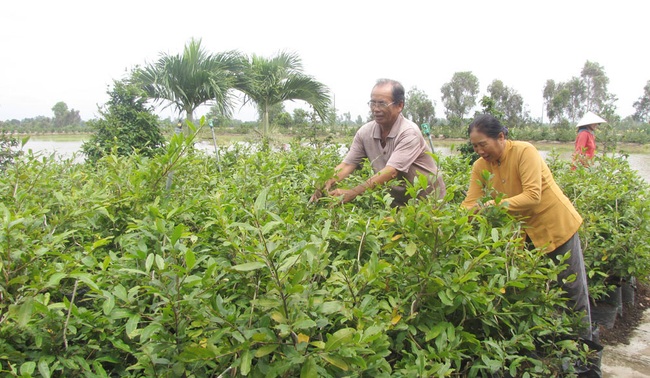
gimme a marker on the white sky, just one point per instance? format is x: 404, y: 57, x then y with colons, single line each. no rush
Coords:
x: 71, y: 51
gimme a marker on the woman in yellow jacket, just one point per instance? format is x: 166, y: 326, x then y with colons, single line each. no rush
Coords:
x: 531, y: 194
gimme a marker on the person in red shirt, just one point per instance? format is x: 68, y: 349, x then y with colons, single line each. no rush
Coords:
x: 585, y: 144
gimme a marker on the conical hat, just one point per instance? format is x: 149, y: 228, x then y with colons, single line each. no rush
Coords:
x: 590, y: 118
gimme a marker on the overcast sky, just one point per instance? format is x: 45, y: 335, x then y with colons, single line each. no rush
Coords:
x: 72, y: 51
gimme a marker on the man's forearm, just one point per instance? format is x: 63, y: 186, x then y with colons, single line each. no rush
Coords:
x: 383, y: 177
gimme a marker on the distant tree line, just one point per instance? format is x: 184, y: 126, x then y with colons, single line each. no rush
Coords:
x: 63, y: 120
x: 196, y: 77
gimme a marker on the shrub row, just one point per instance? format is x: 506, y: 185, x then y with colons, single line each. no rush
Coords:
x: 181, y: 265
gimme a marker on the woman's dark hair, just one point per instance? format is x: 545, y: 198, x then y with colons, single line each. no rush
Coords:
x: 398, y: 89
x: 488, y: 125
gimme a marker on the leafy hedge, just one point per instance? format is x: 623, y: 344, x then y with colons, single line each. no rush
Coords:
x: 615, y: 204
x: 231, y: 272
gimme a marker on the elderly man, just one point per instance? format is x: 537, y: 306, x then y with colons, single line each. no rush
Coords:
x: 394, y: 146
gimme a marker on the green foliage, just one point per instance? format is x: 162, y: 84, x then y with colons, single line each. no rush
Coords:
x: 232, y: 272
x: 191, y: 79
x: 128, y: 126
x: 595, y: 81
x: 418, y: 108
x: 40, y: 124
x: 642, y: 105
x: 459, y: 95
x: 568, y: 101
x: 63, y: 116
x: 8, y: 151
x: 615, y: 205
x: 268, y: 82
x: 467, y: 150
x: 507, y: 104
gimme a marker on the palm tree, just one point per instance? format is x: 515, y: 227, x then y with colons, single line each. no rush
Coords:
x: 192, y: 79
x: 268, y: 82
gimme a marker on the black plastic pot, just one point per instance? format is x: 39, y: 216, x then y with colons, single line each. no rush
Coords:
x: 614, y: 298
x: 628, y: 289
x: 605, y: 310
x: 604, y: 314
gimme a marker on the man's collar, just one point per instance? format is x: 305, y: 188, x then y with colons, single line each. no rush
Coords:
x: 393, y: 129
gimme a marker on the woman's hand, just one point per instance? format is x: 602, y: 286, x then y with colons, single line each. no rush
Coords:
x: 488, y: 203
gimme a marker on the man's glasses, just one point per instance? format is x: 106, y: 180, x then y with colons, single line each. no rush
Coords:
x: 379, y: 104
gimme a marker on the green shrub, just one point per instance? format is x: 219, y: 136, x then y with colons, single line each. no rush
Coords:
x: 108, y: 271
x: 8, y: 151
x: 128, y: 126
x: 613, y: 201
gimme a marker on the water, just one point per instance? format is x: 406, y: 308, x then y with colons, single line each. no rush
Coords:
x: 68, y: 148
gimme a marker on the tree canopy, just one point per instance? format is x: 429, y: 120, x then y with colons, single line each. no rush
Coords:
x: 191, y: 79
x: 642, y: 105
x: 64, y: 116
x: 570, y: 100
x: 507, y: 102
x: 127, y: 125
x: 418, y: 107
x: 459, y: 95
x: 270, y: 81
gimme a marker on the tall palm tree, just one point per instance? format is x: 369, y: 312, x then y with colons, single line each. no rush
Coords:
x: 192, y: 78
x: 268, y: 82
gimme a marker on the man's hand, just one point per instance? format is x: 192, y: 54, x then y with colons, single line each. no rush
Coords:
x: 346, y: 195
x: 317, y: 194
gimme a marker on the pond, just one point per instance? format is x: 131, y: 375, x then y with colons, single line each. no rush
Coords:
x: 68, y: 146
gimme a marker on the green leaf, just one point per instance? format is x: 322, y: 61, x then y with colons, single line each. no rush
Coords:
x: 120, y: 292
x: 318, y: 344
x: 85, y: 278
x: 246, y: 267
x: 177, y: 233
x: 109, y: 303
x: 309, y: 369
x: 55, y: 279
x: 160, y: 262
x: 134, y: 271
x: 444, y: 298
x: 194, y: 353
x: 25, y: 312
x: 436, y: 331
x: 149, y: 331
x: 260, y: 202
x: 190, y: 259
x: 410, y: 249
x: 246, y: 359
x: 27, y: 368
x: 336, y: 361
x: 304, y: 324
x: 101, y: 242
x: 44, y: 367
x: 331, y: 307
x: 149, y: 263
x: 132, y: 326
x: 270, y: 226
x: 288, y: 263
x: 266, y: 349
x: 244, y: 226
x: 106, y: 262
x: 326, y: 229
x: 338, y: 338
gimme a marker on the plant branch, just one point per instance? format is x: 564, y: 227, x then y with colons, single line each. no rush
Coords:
x: 67, y: 318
